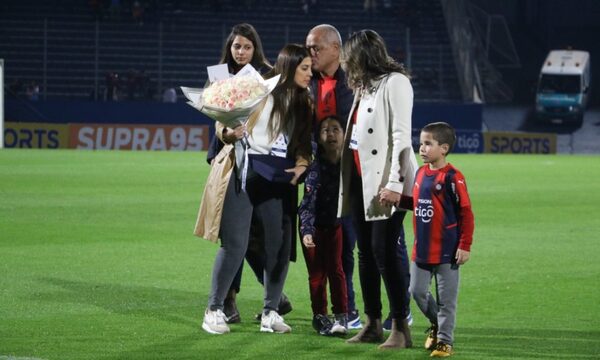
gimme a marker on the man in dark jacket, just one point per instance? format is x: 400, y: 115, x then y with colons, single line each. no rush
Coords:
x: 328, y: 85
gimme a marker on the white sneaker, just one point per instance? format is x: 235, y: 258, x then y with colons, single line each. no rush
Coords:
x: 215, y: 322
x: 354, y: 320
x: 409, y: 318
x: 272, y: 322
x: 340, y: 326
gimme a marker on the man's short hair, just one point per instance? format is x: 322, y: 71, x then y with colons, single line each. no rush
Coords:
x: 329, y: 32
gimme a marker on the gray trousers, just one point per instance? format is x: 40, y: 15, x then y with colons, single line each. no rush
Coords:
x: 440, y: 311
x: 263, y: 201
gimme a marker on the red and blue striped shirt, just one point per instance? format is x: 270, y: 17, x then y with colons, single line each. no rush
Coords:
x: 442, y: 218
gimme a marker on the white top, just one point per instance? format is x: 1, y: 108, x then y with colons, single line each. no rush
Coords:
x: 259, y: 140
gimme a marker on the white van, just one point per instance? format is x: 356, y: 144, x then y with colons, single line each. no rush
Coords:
x: 564, y: 86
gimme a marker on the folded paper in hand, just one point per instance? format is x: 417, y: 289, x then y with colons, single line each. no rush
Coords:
x: 272, y: 167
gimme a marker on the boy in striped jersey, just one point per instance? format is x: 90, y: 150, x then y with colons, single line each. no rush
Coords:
x: 443, y: 224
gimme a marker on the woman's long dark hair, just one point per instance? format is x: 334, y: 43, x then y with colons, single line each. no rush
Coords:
x: 259, y: 61
x: 292, y: 105
x: 365, y: 58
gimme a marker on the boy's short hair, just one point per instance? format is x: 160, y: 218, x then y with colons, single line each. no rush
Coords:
x: 442, y: 132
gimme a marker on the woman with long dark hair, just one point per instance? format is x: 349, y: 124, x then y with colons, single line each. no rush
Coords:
x: 378, y: 166
x: 243, y: 46
x: 282, y: 119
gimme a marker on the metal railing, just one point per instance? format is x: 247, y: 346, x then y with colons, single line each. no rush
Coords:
x: 471, y: 33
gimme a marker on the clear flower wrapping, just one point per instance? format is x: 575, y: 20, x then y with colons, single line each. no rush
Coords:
x: 230, y: 101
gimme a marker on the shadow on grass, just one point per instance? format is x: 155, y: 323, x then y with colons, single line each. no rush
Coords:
x: 185, y: 308
x: 529, y: 343
x: 164, y: 304
x: 473, y: 343
x: 187, y: 341
x: 169, y: 305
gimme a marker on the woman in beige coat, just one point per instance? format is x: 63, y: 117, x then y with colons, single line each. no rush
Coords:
x: 278, y: 132
x: 378, y: 166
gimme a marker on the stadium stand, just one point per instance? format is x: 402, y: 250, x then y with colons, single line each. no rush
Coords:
x: 75, y: 51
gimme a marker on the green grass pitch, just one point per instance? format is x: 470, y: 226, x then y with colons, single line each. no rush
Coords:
x: 97, y: 261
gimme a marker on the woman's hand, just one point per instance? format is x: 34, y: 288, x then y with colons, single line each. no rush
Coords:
x: 232, y: 135
x: 298, y: 170
x: 307, y: 240
x: 388, y: 197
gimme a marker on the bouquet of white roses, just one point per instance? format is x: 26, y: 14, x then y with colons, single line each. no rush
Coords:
x: 231, y: 100
x: 233, y: 93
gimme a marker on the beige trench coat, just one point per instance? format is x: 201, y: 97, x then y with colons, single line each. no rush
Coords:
x: 211, y: 207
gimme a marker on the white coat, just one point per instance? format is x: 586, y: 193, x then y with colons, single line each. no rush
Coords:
x: 384, y: 140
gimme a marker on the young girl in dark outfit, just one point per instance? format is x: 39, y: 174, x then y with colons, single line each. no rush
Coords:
x: 321, y: 231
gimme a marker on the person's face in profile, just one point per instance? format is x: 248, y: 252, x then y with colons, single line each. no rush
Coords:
x: 303, y: 73
x: 323, y: 53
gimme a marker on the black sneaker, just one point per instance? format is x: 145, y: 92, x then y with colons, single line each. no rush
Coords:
x: 322, y: 324
x: 231, y: 311
x: 285, y: 306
